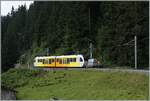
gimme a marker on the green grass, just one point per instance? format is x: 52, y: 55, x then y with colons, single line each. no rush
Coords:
x: 80, y: 85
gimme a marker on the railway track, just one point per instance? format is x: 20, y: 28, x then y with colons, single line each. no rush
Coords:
x: 96, y: 69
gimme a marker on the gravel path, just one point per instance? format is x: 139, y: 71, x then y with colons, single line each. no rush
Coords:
x: 98, y: 69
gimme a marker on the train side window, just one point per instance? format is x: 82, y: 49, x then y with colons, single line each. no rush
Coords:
x: 57, y: 60
x: 42, y: 60
x: 64, y: 61
x: 68, y: 60
x: 74, y: 59
x: 45, y: 61
x: 39, y: 60
x: 52, y: 60
x: 60, y: 61
x: 71, y: 59
x: 49, y: 61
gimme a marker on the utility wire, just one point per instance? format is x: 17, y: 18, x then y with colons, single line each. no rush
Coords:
x: 131, y: 42
x: 143, y: 39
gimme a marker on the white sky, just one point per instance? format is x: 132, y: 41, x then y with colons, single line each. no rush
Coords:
x: 6, y: 6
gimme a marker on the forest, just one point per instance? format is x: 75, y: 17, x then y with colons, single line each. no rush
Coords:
x: 62, y: 27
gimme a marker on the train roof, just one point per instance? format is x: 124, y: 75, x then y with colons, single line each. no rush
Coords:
x: 62, y: 56
x: 40, y: 57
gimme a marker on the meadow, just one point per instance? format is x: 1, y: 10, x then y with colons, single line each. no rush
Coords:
x: 76, y: 84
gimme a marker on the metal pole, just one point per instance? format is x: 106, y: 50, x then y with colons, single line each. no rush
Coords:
x: 90, y: 50
x: 135, y: 51
x: 47, y: 51
x: 89, y: 21
x: 90, y: 33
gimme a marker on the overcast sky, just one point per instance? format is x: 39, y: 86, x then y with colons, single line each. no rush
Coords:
x: 6, y: 6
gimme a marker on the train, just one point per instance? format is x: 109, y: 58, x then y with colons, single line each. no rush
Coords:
x: 59, y: 61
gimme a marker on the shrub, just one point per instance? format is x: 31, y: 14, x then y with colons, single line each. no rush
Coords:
x: 18, y: 77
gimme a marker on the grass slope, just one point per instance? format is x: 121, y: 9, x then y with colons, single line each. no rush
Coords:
x: 81, y: 85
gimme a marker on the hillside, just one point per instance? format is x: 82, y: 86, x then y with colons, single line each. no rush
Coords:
x: 61, y: 27
x: 74, y: 84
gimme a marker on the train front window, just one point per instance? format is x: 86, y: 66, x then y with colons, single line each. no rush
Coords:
x: 81, y: 60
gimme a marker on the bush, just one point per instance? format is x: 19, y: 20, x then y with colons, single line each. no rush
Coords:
x: 18, y: 77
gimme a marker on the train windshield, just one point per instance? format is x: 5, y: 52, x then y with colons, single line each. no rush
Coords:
x: 81, y: 60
